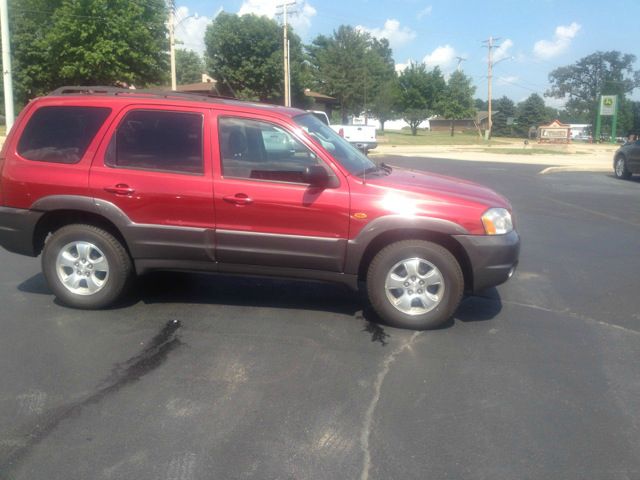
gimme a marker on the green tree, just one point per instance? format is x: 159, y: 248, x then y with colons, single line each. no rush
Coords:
x: 189, y: 67
x: 385, y: 105
x: 601, y: 73
x: 504, y: 108
x: 245, y: 52
x: 457, y: 101
x: 481, y: 105
x: 352, y: 67
x: 90, y: 42
x: 420, y: 94
x: 531, y: 113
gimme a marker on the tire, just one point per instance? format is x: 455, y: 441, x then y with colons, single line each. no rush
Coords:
x: 620, y: 168
x: 86, y: 267
x: 395, y: 290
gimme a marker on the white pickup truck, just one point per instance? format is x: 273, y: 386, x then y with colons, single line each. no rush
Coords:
x: 363, y: 137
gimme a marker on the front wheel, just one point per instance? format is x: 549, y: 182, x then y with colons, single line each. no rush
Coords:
x: 620, y: 168
x: 85, y: 266
x: 415, y: 284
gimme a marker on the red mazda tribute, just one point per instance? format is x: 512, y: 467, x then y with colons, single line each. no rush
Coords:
x: 108, y: 183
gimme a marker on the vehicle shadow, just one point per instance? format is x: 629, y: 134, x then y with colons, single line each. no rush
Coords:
x: 196, y: 288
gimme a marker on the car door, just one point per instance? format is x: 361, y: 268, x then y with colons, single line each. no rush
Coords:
x: 267, y: 213
x: 634, y: 157
x: 155, y: 169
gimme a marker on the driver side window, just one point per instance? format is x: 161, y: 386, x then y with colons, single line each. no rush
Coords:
x: 259, y: 150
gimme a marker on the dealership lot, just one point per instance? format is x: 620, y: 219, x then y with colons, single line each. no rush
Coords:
x: 220, y: 377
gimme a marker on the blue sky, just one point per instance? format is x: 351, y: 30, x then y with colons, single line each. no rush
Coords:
x: 534, y: 36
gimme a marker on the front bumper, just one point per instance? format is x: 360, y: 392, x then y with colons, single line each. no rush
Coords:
x: 493, y: 258
x: 16, y: 230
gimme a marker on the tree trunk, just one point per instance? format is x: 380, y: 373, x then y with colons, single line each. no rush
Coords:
x: 414, y: 129
x: 382, y: 126
x: 452, y: 129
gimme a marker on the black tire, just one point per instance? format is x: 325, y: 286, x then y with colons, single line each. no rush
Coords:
x: 428, y: 255
x: 119, y: 267
x: 620, y: 168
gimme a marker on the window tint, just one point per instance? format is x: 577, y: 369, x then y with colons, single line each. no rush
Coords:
x: 60, y: 134
x: 158, y: 140
x: 263, y: 151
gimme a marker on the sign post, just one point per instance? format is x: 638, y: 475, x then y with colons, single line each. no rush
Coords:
x: 607, y: 107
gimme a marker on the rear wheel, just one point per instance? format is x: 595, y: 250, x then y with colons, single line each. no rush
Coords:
x: 415, y: 284
x: 85, y: 266
x: 620, y: 167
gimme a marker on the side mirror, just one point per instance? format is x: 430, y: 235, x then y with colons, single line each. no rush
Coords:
x: 317, y: 176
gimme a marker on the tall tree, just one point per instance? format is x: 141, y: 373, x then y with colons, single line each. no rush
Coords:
x: 457, y: 101
x: 385, y: 105
x: 504, y: 109
x: 601, y: 73
x: 58, y: 42
x: 531, y: 113
x: 420, y: 93
x: 189, y: 67
x: 246, y: 53
x: 351, y: 66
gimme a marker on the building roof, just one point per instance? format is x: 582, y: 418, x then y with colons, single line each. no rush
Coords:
x: 320, y: 97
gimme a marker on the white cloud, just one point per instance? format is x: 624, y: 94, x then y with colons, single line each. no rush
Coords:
x: 401, y: 67
x: 442, y: 57
x: 508, y: 79
x: 300, y: 19
x: 557, y: 103
x: 502, y: 51
x: 190, y: 29
x: 545, y: 49
x: 425, y: 12
x: 391, y: 31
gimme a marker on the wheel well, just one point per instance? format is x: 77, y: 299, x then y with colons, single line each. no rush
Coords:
x: 441, y: 239
x: 54, y: 220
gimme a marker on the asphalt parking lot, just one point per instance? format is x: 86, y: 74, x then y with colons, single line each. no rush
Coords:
x: 226, y: 378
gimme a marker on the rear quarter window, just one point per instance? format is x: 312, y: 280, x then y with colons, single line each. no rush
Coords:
x: 60, y: 134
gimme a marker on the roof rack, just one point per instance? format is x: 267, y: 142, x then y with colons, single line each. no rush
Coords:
x: 119, y: 91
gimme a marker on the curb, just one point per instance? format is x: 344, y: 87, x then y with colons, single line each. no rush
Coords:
x: 575, y: 168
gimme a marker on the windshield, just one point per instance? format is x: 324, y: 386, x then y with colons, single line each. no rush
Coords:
x: 346, y: 154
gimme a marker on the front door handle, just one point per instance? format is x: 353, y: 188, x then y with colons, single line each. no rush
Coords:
x: 120, y: 189
x: 238, y: 199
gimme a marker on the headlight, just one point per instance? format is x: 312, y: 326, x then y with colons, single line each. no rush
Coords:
x: 497, y: 221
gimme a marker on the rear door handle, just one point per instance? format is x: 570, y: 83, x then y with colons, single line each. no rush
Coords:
x: 238, y: 199
x: 120, y: 189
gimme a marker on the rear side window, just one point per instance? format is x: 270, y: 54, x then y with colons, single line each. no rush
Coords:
x: 158, y: 140
x: 61, y: 134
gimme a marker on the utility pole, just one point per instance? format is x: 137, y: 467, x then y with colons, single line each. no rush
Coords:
x: 460, y: 60
x: 490, y: 45
x: 287, y: 73
x: 172, y: 42
x: 6, y: 65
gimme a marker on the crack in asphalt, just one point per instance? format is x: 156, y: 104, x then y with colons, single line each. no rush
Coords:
x: 577, y: 316
x: 377, y: 388
x: 132, y: 370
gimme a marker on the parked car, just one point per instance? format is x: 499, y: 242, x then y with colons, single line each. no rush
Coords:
x: 108, y: 183
x: 626, y: 160
x: 363, y: 137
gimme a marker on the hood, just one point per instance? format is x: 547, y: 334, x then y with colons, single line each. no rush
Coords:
x: 439, y: 187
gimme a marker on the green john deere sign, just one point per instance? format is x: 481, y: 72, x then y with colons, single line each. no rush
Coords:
x: 608, y: 105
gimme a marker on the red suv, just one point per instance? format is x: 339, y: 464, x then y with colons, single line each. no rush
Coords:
x: 108, y: 183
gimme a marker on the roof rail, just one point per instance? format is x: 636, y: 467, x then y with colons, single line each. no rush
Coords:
x: 156, y: 93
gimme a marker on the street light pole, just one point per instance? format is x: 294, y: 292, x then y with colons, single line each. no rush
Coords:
x: 172, y: 43
x: 287, y: 73
x: 6, y: 65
